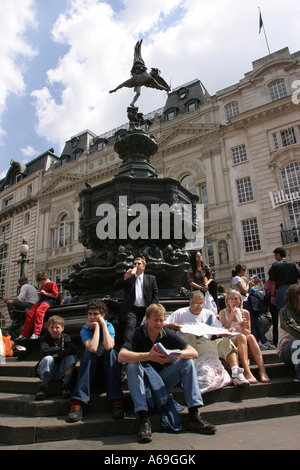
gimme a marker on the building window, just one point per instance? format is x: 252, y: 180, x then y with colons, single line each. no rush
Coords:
x: 277, y: 90
x: 191, y: 106
x: 59, y: 275
x: 232, y: 109
x: 5, y: 229
x: 275, y: 141
x: 171, y: 115
x: 64, y: 159
x: 288, y: 137
x: 63, y: 231
x: 239, y: 154
x: 260, y: 272
x: 75, y: 142
x: 189, y: 183
x: 204, y: 197
x: 251, y: 235
x: 244, y: 190
x: 210, y: 252
x: 77, y: 153
x: 18, y: 178
x: 27, y: 218
x: 291, y: 183
x: 3, y: 267
x: 8, y: 202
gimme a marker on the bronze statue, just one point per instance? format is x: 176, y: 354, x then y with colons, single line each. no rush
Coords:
x: 140, y: 76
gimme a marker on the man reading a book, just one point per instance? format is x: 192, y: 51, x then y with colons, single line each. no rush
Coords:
x: 146, y: 365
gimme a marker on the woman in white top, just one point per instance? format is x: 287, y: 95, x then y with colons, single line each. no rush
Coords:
x: 240, y: 282
x: 234, y: 316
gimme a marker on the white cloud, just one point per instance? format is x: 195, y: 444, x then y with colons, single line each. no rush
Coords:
x: 213, y: 40
x: 15, y: 17
x: 28, y: 151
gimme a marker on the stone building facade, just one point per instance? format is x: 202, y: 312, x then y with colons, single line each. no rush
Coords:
x: 239, y: 150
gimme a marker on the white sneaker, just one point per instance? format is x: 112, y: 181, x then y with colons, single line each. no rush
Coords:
x: 34, y: 336
x: 19, y: 338
x: 238, y: 378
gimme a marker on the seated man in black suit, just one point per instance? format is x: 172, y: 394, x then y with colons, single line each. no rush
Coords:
x: 140, y: 291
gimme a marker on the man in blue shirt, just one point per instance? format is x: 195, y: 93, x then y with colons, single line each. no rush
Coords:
x: 99, y: 361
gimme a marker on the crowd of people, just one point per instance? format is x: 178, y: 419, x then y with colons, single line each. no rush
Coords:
x: 203, y: 346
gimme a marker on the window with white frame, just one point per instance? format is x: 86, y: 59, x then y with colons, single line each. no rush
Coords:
x: 291, y: 183
x: 8, y: 202
x: 277, y: 90
x: 244, y: 190
x: 204, y: 197
x: 210, y: 251
x: 260, y: 272
x: 275, y: 141
x: 251, y: 235
x: 191, y: 106
x: 5, y: 229
x: 58, y: 275
x: 27, y: 218
x: 171, y: 115
x: 63, y: 238
x: 288, y: 137
x: 3, y: 266
x: 232, y: 109
x: 239, y: 154
x: 189, y: 183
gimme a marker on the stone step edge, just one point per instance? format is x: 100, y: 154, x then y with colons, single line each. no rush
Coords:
x: 14, y: 430
x: 26, y: 405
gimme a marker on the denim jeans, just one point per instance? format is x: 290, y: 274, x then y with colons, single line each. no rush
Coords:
x: 289, y: 355
x: 94, y: 367
x: 181, y: 371
x: 256, y: 324
x: 51, y: 371
x: 280, y: 293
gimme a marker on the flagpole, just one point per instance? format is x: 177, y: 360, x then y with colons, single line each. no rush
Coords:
x: 261, y: 26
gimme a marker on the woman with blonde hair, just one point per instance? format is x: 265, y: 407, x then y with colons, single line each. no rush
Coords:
x: 234, y: 316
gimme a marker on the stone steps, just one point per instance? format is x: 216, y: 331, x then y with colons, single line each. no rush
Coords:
x: 26, y: 421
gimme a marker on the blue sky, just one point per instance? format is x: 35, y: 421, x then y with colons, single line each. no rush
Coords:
x: 60, y: 57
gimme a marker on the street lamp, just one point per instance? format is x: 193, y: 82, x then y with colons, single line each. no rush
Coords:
x: 23, y: 250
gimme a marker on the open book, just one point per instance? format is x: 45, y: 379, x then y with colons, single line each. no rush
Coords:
x: 202, y: 329
x: 171, y: 355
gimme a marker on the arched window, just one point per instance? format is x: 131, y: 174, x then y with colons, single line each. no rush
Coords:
x: 63, y: 231
x: 188, y: 183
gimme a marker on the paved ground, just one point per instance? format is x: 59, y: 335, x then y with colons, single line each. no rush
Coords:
x: 267, y: 434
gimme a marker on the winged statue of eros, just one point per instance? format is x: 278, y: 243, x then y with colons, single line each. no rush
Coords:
x: 140, y: 77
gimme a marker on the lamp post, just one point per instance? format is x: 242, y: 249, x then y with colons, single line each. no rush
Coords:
x: 23, y: 250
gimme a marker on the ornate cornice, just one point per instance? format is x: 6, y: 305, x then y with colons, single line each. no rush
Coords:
x: 18, y: 207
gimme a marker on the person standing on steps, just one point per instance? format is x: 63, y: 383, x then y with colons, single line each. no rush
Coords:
x: 282, y: 274
x: 140, y: 290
